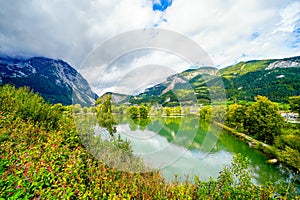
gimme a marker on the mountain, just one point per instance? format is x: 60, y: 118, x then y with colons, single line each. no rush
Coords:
x: 275, y: 78
x: 55, y: 80
x: 187, y: 87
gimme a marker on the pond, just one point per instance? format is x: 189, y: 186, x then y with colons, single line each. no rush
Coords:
x: 182, y: 146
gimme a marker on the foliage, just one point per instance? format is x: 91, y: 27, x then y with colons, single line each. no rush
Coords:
x: 29, y: 106
x: 212, y: 113
x: 141, y: 111
x: 104, y: 114
x: 295, y: 103
x: 172, y: 110
x: 284, y: 106
x: 51, y: 163
x: 245, y: 67
x: 144, y: 111
x: 157, y: 110
x: 289, y: 145
x: 234, y: 182
x: 139, y: 115
x: 236, y: 115
x: 291, y: 157
x: 290, y: 140
x: 263, y: 120
x: 121, y: 109
x: 168, y: 111
x: 205, y: 113
x: 266, y: 83
x: 41, y: 161
x: 219, y: 113
x: 133, y: 112
x: 48, y: 89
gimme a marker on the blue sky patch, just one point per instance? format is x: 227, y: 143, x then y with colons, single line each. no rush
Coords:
x: 296, y: 32
x: 193, y: 67
x: 254, y: 35
x: 161, y: 5
x: 296, y: 42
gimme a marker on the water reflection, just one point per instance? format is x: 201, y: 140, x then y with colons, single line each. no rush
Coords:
x: 182, y: 146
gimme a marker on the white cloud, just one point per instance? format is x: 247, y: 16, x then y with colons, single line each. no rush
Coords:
x: 290, y: 15
x: 226, y: 31
x: 229, y: 31
x: 134, y: 71
x: 67, y: 29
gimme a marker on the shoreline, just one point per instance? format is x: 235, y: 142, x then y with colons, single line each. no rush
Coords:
x: 271, y: 151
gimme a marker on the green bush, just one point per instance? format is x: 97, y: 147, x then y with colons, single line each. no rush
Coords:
x: 292, y: 141
x: 133, y: 112
x: 263, y: 120
x: 144, y: 111
x: 29, y: 106
x: 291, y: 157
x: 104, y: 114
x: 206, y: 113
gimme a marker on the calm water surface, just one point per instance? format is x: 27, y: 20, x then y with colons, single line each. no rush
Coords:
x: 182, y: 146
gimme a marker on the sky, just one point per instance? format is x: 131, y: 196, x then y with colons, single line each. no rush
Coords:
x: 228, y: 31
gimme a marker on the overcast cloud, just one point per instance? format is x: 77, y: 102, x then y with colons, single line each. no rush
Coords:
x: 229, y: 31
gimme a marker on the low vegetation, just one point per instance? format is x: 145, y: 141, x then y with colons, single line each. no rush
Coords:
x: 42, y: 157
x: 141, y: 112
x: 295, y: 103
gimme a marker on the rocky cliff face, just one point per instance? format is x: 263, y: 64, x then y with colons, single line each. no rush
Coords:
x: 284, y: 63
x: 192, y: 73
x: 55, y: 80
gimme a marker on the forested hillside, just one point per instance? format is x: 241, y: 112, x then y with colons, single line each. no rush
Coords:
x: 278, y: 79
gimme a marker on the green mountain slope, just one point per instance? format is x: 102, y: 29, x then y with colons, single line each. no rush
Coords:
x: 275, y: 78
x: 245, y: 67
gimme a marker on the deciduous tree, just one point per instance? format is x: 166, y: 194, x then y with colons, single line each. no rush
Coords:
x: 263, y: 120
x: 235, y: 115
x: 295, y: 103
x: 104, y: 114
x: 144, y: 111
x: 133, y: 112
x: 205, y: 113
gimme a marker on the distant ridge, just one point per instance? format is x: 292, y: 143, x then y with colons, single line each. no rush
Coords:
x: 55, y: 80
x: 275, y: 78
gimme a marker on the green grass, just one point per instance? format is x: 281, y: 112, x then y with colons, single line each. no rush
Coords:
x: 244, y: 67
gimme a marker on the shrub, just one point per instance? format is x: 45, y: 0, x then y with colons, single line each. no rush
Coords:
x: 144, y: 111
x: 133, y: 112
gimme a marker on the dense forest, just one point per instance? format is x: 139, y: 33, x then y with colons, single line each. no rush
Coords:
x: 278, y: 85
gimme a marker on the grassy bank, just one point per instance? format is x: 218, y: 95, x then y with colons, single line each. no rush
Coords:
x: 269, y: 150
x: 265, y: 148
